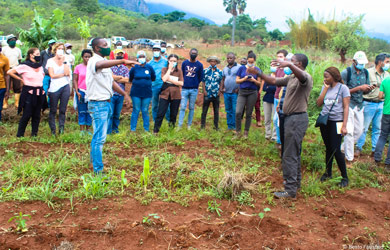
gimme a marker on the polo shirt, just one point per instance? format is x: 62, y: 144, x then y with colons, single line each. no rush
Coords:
x: 141, y: 78
x: 99, y: 82
x: 230, y: 74
x: 158, y: 66
x: 385, y: 88
x: 376, y: 78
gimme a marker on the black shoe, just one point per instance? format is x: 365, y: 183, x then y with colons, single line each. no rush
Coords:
x: 283, y: 194
x: 343, y: 183
x: 325, y: 177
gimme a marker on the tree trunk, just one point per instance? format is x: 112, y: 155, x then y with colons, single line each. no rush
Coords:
x: 234, y: 28
x: 342, y: 54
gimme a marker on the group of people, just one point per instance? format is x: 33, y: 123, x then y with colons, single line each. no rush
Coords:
x: 352, y: 99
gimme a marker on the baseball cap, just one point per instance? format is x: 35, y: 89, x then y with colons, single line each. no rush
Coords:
x: 118, y: 51
x: 360, y: 57
x: 68, y: 45
x: 156, y: 46
x: 10, y: 37
x: 52, y: 41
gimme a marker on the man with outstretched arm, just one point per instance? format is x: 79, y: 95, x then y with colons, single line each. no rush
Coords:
x: 299, y: 84
x: 100, y: 86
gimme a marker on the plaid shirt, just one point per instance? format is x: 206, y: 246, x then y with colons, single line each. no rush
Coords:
x: 212, y: 80
x: 120, y: 70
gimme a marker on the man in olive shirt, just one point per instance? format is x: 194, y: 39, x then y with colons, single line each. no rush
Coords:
x: 299, y: 85
x: 373, y: 105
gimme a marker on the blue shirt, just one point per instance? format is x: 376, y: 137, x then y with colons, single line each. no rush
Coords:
x: 158, y: 66
x: 230, y: 75
x: 270, y: 92
x: 247, y: 84
x: 192, y: 74
x: 212, y: 80
x: 142, y: 78
x: 120, y: 70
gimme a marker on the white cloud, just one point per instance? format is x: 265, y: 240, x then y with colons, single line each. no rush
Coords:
x: 376, y: 13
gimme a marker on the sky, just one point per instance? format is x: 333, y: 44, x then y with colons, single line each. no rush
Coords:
x: 376, y: 13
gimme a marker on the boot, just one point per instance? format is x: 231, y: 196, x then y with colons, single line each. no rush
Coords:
x: 5, y: 104
x: 17, y: 98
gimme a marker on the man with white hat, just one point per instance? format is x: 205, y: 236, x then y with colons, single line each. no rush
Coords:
x: 68, y: 55
x: 357, y: 79
x: 158, y: 63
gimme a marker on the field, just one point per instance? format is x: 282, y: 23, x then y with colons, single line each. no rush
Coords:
x: 185, y: 201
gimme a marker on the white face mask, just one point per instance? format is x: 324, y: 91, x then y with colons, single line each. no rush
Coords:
x: 119, y: 47
x: 60, y: 52
x: 69, y: 51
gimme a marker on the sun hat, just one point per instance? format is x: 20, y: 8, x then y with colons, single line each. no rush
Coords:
x: 360, y: 57
x: 141, y: 53
x: 213, y: 58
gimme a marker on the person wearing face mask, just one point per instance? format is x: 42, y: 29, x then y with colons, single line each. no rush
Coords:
x: 141, y: 77
x: 45, y: 56
x: 211, y: 90
x: 4, y: 67
x: 121, y: 77
x: 373, y: 106
x: 118, y: 45
x: 100, y: 86
x: 164, y: 49
x: 33, y: 98
x: 193, y: 75
x: 157, y: 63
x: 170, y: 96
x: 248, y: 77
x: 59, y: 90
x: 68, y: 55
x: 14, y: 55
x: 229, y: 89
x: 357, y: 80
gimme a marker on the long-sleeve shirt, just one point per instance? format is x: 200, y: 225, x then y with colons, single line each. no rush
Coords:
x: 270, y: 92
x: 192, y: 73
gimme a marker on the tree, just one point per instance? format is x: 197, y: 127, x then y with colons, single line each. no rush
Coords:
x: 234, y: 7
x: 276, y: 35
x: 84, y: 30
x: 88, y: 6
x: 195, y: 22
x: 42, y: 30
x: 175, y: 16
x: 156, y: 17
x: 347, y: 35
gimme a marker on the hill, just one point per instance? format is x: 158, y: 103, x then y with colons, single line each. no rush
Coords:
x: 132, y: 5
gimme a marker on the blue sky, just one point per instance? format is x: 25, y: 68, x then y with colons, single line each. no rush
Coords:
x: 376, y: 12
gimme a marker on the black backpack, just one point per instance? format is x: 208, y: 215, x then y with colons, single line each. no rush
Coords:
x: 349, y: 73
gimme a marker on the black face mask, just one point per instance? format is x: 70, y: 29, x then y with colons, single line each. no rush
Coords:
x: 1, y: 49
x: 119, y: 57
x: 193, y: 57
x: 37, y: 58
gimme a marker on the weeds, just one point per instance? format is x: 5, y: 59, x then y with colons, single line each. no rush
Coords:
x: 20, y: 222
x: 149, y: 219
x: 213, y: 206
x: 145, y: 176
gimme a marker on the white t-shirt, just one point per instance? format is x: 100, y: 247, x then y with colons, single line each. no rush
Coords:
x: 70, y: 58
x: 56, y: 84
x: 13, y: 55
x: 99, y: 82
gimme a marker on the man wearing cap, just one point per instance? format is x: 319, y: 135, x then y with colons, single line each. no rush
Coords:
x: 121, y: 77
x: 373, y: 105
x: 14, y: 55
x: 100, y: 86
x: 118, y: 45
x: 357, y: 80
x: 46, y: 55
x: 68, y: 55
x: 211, y: 89
x: 158, y: 63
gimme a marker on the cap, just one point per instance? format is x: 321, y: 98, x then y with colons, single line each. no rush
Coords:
x: 360, y: 57
x: 156, y: 46
x: 10, y: 37
x: 52, y: 41
x: 141, y: 53
x: 213, y: 58
x: 68, y: 45
x: 117, y: 51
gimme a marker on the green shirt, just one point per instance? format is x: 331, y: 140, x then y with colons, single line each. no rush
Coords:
x: 385, y: 88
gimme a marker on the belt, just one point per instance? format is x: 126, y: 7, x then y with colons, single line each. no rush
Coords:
x: 371, y: 100
x: 248, y: 89
x: 108, y: 100
x: 296, y: 113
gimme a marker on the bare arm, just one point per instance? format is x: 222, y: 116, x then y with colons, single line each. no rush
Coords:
x: 204, y: 88
x: 13, y: 74
x: 240, y: 80
x: 381, y: 95
x: 321, y: 98
x: 268, y: 79
x: 118, y: 89
x: 109, y: 63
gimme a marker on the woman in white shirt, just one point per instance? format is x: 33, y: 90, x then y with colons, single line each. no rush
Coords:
x: 59, y: 90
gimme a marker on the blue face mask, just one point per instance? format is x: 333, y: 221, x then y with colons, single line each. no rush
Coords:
x: 142, y: 60
x: 386, y: 67
x: 287, y: 71
x: 156, y: 54
x: 273, y: 69
x: 174, y: 64
x: 163, y: 50
x: 360, y: 66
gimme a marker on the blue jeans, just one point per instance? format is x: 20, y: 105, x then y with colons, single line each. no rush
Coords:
x: 2, y: 93
x: 187, y: 95
x: 230, y: 100
x: 372, y: 113
x: 116, y: 107
x: 140, y: 104
x: 82, y: 109
x: 276, y: 122
x: 385, y: 131
x: 100, y: 113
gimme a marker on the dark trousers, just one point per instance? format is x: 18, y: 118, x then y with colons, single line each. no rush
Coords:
x: 2, y: 93
x: 257, y: 107
x: 205, y: 109
x: 246, y: 100
x: 33, y: 111
x: 295, y: 127
x: 281, y: 129
x: 332, y: 142
x: 15, y: 84
x: 385, y: 132
x: 163, y: 106
x: 62, y: 95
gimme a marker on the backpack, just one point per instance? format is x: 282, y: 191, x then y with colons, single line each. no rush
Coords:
x: 349, y: 73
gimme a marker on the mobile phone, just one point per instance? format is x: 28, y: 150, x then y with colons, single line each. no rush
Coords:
x: 250, y: 77
x: 65, y: 62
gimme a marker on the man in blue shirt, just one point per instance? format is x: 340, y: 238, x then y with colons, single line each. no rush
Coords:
x: 211, y: 89
x: 193, y: 75
x: 157, y: 63
x: 229, y: 89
